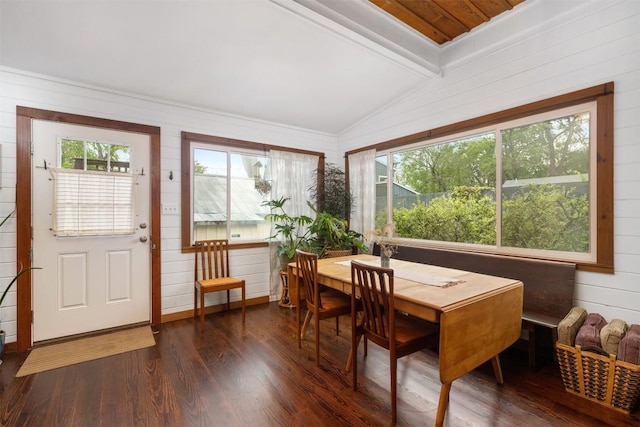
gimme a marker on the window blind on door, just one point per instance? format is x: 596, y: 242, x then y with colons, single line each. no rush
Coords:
x: 90, y: 203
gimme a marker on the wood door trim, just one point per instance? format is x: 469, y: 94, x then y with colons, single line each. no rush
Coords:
x: 24, y: 116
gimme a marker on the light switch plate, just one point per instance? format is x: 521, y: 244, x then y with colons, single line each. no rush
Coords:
x: 170, y: 209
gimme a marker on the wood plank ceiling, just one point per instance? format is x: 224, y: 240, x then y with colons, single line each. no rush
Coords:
x: 444, y: 20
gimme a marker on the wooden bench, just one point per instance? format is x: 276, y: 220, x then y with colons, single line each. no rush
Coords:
x: 548, y: 289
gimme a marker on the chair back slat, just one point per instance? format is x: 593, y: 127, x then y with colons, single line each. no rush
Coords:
x: 214, y: 258
x: 307, y: 266
x: 374, y: 285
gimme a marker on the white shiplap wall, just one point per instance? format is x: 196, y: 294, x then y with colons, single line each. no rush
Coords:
x: 591, y: 43
x: 24, y: 89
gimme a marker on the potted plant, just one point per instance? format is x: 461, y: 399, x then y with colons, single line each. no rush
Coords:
x: 291, y: 232
x: 330, y: 234
x: 3, y: 334
x: 330, y: 192
x: 21, y: 271
x: 382, y: 238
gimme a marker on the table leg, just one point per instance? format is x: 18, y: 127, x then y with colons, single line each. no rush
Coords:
x: 443, y: 403
x: 497, y: 369
x: 352, y: 353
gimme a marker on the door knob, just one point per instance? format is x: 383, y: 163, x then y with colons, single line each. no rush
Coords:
x: 143, y: 239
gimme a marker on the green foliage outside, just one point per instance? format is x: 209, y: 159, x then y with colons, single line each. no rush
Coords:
x: 75, y: 149
x: 455, y: 185
x: 549, y: 148
x: 548, y: 217
x: 438, y: 168
x: 199, y: 168
x: 467, y: 215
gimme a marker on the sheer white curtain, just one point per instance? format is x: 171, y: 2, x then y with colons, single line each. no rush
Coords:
x: 291, y: 176
x: 362, y: 168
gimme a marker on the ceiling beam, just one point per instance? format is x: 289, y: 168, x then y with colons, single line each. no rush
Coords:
x: 362, y: 22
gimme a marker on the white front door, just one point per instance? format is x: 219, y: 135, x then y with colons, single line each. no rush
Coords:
x: 92, y: 282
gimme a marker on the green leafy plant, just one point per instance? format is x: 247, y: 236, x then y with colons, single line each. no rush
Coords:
x: 290, y: 231
x: 21, y: 270
x: 330, y: 191
x: 330, y: 233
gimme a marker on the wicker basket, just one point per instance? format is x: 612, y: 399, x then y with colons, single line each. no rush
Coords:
x: 601, y: 379
x: 338, y: 253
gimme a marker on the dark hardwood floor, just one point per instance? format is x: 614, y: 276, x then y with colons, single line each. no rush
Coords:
x: 256, y: 376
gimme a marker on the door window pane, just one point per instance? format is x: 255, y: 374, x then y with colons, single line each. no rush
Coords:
x: 93, y: 155
x: 93, y: 189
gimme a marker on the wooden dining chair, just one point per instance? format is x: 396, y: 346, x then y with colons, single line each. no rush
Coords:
x: 320, y: 305
x: 214, y: 277
x: 381, y: 324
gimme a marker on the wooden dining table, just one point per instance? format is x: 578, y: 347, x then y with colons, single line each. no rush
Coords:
x: 479, y: 315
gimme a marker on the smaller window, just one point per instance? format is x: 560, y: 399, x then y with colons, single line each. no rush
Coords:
x: 224, y: 198
x: 93, y: 156
x: 229, y: 188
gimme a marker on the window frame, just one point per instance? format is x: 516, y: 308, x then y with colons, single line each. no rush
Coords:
x: 187, y: 138
x: 603, y: 97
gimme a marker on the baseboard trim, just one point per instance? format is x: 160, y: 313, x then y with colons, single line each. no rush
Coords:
x: 186, y: 314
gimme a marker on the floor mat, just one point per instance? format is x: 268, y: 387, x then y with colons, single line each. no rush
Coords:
x: 84, y: 349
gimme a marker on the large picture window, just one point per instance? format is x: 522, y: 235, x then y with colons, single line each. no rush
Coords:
x: 522, y: 186
x: 535, y: 181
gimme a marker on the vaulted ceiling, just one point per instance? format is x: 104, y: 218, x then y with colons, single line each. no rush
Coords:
x: 322, y: 65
